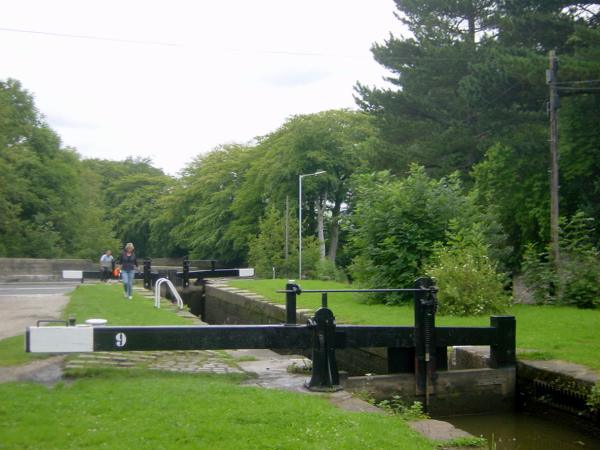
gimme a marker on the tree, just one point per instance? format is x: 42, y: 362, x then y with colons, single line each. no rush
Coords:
x: 201, y: 206
x: 44, y: 201
x: 266, y: 251
x: 470, y: 75
x: 426, y: 117
x: 130, y: 191
x: 334, y: 141
x: 579, y: 138
x: 470, y: 79
x: 511, y: 178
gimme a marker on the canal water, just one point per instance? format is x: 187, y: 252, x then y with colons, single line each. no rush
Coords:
x: 521, y: 431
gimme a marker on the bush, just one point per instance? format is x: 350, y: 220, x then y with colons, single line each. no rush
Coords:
x: 398, y: 406
x: 580, y: 281
x: 396, y: 222
x: 467, y: 279
x: 328, y: 271
x: 577, y: 281
x: 538, y: 275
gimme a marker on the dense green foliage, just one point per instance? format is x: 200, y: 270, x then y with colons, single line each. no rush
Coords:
x: 466, y: 276
x: 48, y: 204
x: 396, y: 224
x: 265, y: 253
x: 52, y: 203
x: 471, y: 77
x: 130, y: 191
x: 577, y: 279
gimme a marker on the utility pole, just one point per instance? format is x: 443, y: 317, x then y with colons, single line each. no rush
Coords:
x: 551, y: 80
x: 287, y: 232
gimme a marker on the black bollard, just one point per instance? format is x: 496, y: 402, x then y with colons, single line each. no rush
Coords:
x: 325, y: 375
x: 291, y: 290
x: 147, y: 273
x: 186, y: 272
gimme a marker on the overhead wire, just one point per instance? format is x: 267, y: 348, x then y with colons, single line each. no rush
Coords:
x: 399, y: 59
x: 91, y: 37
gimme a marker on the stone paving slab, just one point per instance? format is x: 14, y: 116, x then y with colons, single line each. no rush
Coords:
x: 438, y: 430
x: 193, y: 361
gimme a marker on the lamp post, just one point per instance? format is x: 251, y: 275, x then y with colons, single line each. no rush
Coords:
x: 300, y: 218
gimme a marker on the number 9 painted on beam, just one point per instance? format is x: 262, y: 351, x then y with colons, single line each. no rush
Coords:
x: 120, y: 340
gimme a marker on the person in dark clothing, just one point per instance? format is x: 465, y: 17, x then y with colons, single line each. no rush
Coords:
x: 128, y: 263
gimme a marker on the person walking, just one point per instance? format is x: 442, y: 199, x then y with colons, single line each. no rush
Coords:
x: 106, y: 265
x: 128, y: 263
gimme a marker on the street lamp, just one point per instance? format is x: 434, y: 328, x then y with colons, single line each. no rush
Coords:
x: 300, y: 218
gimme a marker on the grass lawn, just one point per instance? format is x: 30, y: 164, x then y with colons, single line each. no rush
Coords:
x: 127, y: 409
x: 553, y: 332
x: 106, y: 301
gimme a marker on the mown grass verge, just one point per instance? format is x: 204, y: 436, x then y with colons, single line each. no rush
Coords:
x: 152, y: 410
x: 551, y: 332
x: 107, y: 302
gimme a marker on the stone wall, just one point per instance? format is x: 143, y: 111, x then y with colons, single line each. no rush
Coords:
x: 455, y: 392
x: 37, y: 269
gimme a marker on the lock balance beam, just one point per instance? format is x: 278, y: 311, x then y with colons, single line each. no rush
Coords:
x: 69, y: 339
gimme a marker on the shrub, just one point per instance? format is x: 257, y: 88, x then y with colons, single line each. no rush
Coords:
x: 539, y: 276
x: 396, y: 222
x: 577, y: 280
x: 466, y: 277
x: 398, y: 406
x: 327, y: 270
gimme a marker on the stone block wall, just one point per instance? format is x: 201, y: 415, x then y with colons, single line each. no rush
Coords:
x: 38, y: 269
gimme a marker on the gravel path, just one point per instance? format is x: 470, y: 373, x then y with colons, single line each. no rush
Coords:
x: 22, y: 305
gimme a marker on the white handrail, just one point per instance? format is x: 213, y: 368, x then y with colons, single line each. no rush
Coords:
x: 170, y: 286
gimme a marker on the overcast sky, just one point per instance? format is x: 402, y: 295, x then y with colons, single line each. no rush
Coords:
x: 173, y: 79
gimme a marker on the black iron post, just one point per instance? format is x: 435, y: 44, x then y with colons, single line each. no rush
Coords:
x: 172, y: 277
x: 291, y: 290
x: 186, y: 272
x: 325, y: 375
x: 324, y: 300
x: 502, y: 353
x: 147, y: 273
x: 425, y: 351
